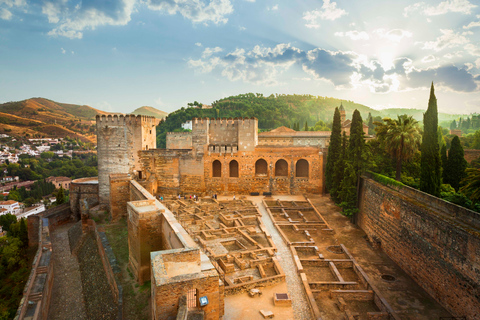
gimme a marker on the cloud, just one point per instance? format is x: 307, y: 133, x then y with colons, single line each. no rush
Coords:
x: 86, y: 15
x: 459, y: 6
x: 5, y: 14
x: 8, y: 5
x: 262, y: 65
x: 472, y: 24
x: 14, y: 3
x: 198, y: 44
x: 354, y: 35
x: 63, y: 50
x: 329, y: 11
x: 241, y: 28
x: 198, y: 11
x: 273, y: 8
x: 429, y: 58
x: 209, y: 51
x: 394, y: 35
x: 448, y: 39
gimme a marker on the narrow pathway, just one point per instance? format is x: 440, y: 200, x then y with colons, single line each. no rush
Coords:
x: 67, y: 300
x: 294, y: 285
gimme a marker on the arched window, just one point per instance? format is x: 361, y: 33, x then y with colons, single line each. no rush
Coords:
x: 261, y: 168
x: 233, y: 169
x: 281, y: 168
x: 301, y: 168
x: 216, y: 169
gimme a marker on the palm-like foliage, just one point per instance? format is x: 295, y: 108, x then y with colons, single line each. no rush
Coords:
x: 401, y: 138
x: 471, y: 184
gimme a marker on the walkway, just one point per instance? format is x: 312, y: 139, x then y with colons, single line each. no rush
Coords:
x: 67, y: 300
x: 284, y: 256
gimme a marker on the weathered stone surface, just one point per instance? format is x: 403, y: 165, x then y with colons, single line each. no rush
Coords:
x: 437, y: 245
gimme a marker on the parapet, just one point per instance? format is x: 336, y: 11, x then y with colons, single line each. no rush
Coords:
x: 121, y: 119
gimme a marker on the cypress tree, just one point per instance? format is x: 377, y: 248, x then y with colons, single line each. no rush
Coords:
x: 430, y: 177
x: 443, y: 155
x: 356, y: 144
x: 453, y: 125
x: 348, y: 190
x: 456, y: 164
x: 334, y: 148
x: 338, y: 170
x: 371, y: 126
x: 306, y: 126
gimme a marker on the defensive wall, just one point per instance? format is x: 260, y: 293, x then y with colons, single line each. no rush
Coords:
x: 80, y: 189
x: 293, y: 170
x: 37, y: 292
x: 436, y: 242
x: 119, y: 138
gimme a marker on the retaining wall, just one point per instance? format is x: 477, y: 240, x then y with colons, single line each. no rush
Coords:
x: 437, y: 243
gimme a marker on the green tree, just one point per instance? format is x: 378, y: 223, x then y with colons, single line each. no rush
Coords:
x: 338, y: 170
x: 443, y: 155
x: 471, y: 184
x: 60, y: 196
x: 348, y: 190
x: 306, y: 126
x: 401, y: 139
x: 356, y: 143
x: 334, y: 149
x: 456, y: 164
x: 453, y: 125
x: 371, y: 125
x: 430, y: 178
x: 6, y: 221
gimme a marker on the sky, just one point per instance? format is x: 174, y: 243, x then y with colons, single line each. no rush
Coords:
x: 118, y: 55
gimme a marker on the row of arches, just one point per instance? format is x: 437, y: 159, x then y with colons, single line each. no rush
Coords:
x: 261, y: 168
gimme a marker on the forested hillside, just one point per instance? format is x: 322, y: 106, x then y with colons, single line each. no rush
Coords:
x: 272, y: 111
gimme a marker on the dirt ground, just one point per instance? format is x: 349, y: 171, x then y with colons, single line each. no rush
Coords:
x: 405, y: 296
x: 242, y: 306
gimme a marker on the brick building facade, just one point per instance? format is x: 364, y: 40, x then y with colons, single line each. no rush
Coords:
x: 228, y: 156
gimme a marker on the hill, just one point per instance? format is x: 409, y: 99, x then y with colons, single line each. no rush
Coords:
x: 39, y: 117
x: 151, y: 111
x: 272, y: 112
x: 418, y: 114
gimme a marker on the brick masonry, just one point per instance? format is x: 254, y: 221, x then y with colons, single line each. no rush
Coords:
x: 119, y: 138
x: 437, y: 245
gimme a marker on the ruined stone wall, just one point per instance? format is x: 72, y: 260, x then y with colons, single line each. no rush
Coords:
x: 471, y: 154
x: 179, y: 140
x: 166, y: 297
x: 144, y: 236
x: 84, y: 188
x: 119, y: 195
x: 435, y: 242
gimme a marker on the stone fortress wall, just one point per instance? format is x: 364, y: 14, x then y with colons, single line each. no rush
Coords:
x: 225, y: 156
x: 436, y: 242
x: 119, y: 138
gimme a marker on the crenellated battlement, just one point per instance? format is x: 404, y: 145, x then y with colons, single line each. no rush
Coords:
x: 129, y: 119
x: 186, y: 133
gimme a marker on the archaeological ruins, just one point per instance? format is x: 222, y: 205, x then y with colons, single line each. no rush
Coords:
x: 229, y: 223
